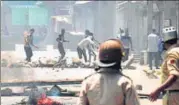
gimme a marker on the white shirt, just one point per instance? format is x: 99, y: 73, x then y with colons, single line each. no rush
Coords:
x: 85, y: 42
x: 153, y: 42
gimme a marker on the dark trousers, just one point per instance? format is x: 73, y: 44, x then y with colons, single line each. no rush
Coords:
x: 62, y: 51
x: 126, y: 51
x: 153, y: 56
x: 28, y: 52
x: 81, y: 52
x: 160, y: 60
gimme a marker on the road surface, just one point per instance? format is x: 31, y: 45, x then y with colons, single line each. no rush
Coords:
x: 7, y: 75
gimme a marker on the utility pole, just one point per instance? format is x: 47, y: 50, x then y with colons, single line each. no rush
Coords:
x: 177, y: 16
x: 149, y: 16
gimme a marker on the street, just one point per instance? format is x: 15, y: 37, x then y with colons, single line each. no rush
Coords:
x: 38, y: 35
x: 47, y: 74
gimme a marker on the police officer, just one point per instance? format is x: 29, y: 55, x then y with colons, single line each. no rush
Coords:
x: 108, y: 86
x: 170, y: 70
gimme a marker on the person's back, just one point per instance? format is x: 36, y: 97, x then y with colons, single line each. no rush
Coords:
x: 108, y: 89
x: 153, y: 42
x: 85, y: 42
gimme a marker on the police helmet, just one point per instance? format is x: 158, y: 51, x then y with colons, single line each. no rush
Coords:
x: 169, y: 33
x: 110, y: 53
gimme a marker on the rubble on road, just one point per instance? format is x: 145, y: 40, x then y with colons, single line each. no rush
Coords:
x: 8, y: 59
x: 152, y: 74
x: 48, y: 62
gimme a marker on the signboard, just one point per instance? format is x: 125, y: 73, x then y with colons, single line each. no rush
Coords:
x: 29, y: 15
x: 19, y: 16
x: 12, y: 3
x: 38, y: 16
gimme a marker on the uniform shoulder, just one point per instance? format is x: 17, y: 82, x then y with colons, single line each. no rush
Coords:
x: 127, y: 79
x: 91, y: 75
x: 125, y: 82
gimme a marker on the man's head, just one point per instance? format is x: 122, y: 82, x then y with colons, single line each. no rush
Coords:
x: 32, y: 31
x: 87, y: 32
x: 126, y: 32
x: 110, y: 53
x: 153, y: 31
x: 26, y: 33
x: 91, y: 34
x: 62, y: 31
x: 169, y: 37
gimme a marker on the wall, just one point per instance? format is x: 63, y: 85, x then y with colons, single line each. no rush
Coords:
x: 104, y: 20
x: 131, y: 16
x: 15, y: 31
x: 84, y: 17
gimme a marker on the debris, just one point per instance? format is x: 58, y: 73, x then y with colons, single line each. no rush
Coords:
x: 6, y: 92
x: 4, y: 63
x: 150, y: 74
x: 23, y: 102
x: 47, y: 101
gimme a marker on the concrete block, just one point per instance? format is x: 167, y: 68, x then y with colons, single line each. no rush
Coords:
x: 49, y: 47
x: 19, y: 47
x: 144, y: 58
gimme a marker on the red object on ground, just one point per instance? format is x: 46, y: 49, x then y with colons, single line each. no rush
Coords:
x: 47, y: 101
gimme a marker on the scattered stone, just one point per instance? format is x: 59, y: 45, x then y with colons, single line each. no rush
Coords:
x: 150, y: 74
x: 23, y: 102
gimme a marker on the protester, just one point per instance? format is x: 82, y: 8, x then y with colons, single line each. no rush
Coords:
x: 83, y: 45
x: 61, y: 49
x: 28, y: 42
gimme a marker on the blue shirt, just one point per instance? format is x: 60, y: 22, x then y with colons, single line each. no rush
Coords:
x: 160, y: 45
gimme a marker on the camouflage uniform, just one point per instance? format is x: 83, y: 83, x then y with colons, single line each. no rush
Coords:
x: 170, y: 66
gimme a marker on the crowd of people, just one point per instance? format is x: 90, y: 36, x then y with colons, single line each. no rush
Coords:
x: 108, y: 85
x: 86, y: 48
